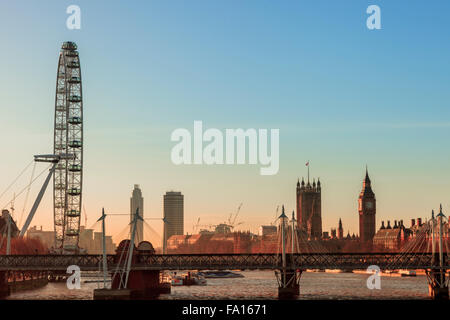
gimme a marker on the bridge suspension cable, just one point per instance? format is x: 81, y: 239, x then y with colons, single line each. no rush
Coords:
x: 123, y: 271
x: 26, y: 187
x: 149, y: 232
x: 422, y: 247
x: 27, y: 194
x: 15, y: 180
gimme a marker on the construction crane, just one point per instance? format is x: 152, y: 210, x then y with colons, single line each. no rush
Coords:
x: 237, y: 224
x: 195, y: 227
x: 230, y: 224
x: 210, y: 226
x: 231, y: 220
x: 276, y: 216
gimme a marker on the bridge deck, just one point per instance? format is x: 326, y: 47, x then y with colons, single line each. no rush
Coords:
x: 347, y: 261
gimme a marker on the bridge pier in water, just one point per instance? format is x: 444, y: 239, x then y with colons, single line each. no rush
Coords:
x: 288, y: 284
x: 437, y: 284
x: 143, y: 284
x: 288, y: 276
x: 140, y: 284
x: 437, y: 279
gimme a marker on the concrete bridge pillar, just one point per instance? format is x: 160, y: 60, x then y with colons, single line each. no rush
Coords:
x: 142, y: 284
x: 145, y: 284
x: 437, y: 285
x: 4, y: 287
x: 288, y: 284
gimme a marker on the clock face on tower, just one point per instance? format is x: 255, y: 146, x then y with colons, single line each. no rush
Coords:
x: 369, y: 205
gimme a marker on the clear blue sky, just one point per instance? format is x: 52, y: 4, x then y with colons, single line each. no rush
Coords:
x: 342, y: 96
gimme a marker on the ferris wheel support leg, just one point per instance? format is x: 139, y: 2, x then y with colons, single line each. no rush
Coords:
x: 37, y: 202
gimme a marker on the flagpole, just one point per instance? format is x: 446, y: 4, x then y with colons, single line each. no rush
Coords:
x: 308, y: 171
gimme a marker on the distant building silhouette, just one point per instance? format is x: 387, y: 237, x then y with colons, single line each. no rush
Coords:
x: 394, y: 238
x: 4, y: 218
x: 91, y: 242
x: 137, y: 201
x: 173, y: 215
x: 267, y: 230
x: 333, y: 233
x: 340, y: 230
x: 309, y: 209
x: 46, y: 237
x: 367, y: 210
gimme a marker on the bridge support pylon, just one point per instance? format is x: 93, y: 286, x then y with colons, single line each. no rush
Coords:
x: 437, y: 276
x: 140, y: 284
x: 437, y: 284
x: 288, y: 284
x: 145, y: 284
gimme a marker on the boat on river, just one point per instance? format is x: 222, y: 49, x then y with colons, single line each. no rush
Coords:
x: 220, y: 274
x: 188, y: 279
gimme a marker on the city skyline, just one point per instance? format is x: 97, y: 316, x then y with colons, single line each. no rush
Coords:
x: 342, y: 99
x: 117, y: 236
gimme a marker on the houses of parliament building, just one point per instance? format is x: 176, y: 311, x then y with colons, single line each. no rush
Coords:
x: 309, y: 211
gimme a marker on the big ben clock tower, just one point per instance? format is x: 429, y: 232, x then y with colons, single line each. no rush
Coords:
x: 367, y: 209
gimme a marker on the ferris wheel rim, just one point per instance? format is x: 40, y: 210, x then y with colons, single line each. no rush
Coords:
x: 68, y: 138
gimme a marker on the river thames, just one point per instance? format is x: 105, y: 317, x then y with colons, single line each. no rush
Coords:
x: 262, y: 285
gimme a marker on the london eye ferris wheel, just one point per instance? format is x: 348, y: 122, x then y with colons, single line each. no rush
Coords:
x: 68, y: 139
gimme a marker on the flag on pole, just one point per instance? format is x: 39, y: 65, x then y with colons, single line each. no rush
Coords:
x: 307, y: 164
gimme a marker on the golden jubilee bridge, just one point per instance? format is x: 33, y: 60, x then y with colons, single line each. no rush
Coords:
x: 288, y: 270
x: 257, y: 261
x: 139, y: 269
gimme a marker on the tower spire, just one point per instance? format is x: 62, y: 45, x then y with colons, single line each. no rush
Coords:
x: 283, y: 215
x: 367, y: 211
